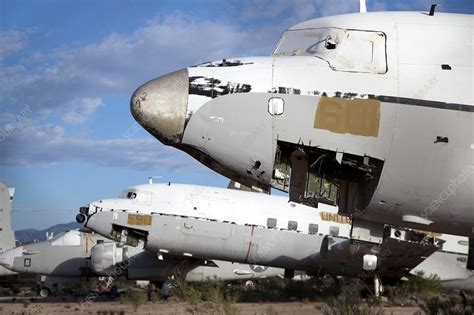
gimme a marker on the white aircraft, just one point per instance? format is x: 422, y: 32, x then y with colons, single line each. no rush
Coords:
x: 213, y: 223
x: 69, y: 256
x: 7, y: 236
x: 372, y: 112
x: 72, y: 255
x: 449, y: 263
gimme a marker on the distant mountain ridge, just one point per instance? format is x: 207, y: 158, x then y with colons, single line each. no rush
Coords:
x: 34, y: 235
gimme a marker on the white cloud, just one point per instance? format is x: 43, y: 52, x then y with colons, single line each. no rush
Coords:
x: 81, y: 110
x: 70, y: 83
x: 117, y: 64
x: 42, y: 144
x: 272, y: 17
x: 404, y: 5
x: 290, y: 12
x: 12, y: 41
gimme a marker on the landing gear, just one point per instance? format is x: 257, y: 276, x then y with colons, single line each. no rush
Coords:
x: 81, y: 218
x: 165, y: 291
x: 378, y: 287
x: 44, y: 292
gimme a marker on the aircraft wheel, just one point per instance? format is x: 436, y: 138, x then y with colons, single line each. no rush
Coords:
x: 44, y: 292
x: 249, y: 284
x: 80, y: 218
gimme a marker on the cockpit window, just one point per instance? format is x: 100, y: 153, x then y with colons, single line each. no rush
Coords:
x: 137, y: 196
x: 71, y: 238
x: 344, y: 50
x: 128, y: 194
x: 299, y: 42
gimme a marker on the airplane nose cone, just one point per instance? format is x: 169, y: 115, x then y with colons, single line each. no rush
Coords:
x: 7, y: 257
x: 160, y: 106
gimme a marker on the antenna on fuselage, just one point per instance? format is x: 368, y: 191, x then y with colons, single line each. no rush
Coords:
x: 362, y: 6
x: 433, y: 9
x: 150, y: 178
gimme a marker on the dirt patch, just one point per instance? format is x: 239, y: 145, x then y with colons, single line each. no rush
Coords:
x: 115, y: 307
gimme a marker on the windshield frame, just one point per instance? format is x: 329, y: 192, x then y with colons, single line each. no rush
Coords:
x: 336, y: 42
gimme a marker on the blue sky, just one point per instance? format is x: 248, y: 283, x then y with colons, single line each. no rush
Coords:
x: 67, y: 70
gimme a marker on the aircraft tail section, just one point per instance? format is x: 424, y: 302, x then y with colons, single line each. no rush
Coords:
x: 7, y: 237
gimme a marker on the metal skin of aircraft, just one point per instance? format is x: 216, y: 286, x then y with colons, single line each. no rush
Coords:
x: 449, y: 263
x: 75, y: 254
x: 62, y: 259
x: 247, y: 227
x: 7, y: 237
x: 372, y: 112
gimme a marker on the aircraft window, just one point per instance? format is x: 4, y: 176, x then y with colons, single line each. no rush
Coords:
x: 299, y: 42
x: 292, y: 225
x: 463, y: 243
x: 313, y: 228
x: 27, y: 262
x: 71, y: 238
x: 141, y: 197
x: 276, y: 106
x: 461, y: 259
x: 330, y: 43
x: 271, y: 223
x: 333, y: 230
x: 344, y: 50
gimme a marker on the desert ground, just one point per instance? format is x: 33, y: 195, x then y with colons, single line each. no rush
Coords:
x: 7, y: 306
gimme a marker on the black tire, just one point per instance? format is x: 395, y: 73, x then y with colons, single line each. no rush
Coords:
x: 80, y: 218
x: 44, y: 292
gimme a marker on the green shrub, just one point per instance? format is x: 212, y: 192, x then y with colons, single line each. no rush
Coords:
x: 185, y: 291
x: 446, y: 305
x: 419, y: 285
x: 135, y: 298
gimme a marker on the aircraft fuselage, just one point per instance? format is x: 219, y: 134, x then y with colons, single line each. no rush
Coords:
x: 378, y: 105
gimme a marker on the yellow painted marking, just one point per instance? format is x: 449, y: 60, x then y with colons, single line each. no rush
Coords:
x: 147, y: 219
x: 359, y: 117
x: 333, y: 217
x: 139, y: 219
x: 132, y: 219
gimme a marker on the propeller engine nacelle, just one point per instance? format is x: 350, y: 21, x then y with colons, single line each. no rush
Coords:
x: 105, y: 257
